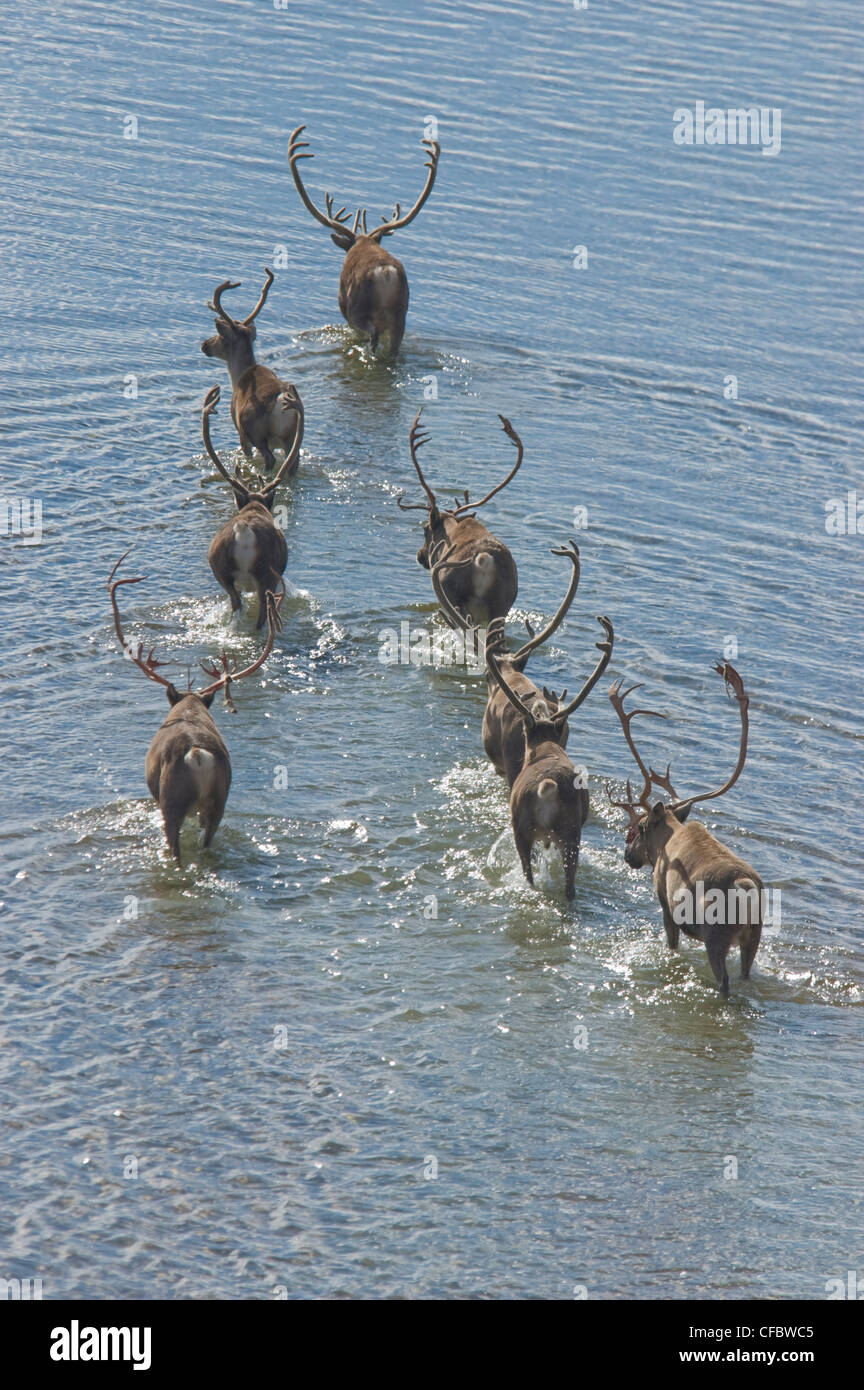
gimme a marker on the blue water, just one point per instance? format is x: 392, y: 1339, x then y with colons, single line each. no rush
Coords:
x: 339, y: 1049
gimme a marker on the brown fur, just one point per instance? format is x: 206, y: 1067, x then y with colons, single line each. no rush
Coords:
x: 270, y: 556
x: 373, y: 294
x: 486, y: 584
x: 555, y: 819
x: 682, y: 856
x: 171, y: 774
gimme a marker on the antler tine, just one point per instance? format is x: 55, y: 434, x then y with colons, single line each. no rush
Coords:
x: 496, y: 636
x: 146, y: 664
x: 451, y: 613
x: 629, y: 805
x: 735, y: 688
x: 520, y: 707
x: 216, y: 302
x: 387, y: 228
x: 410, y: 506
x: 211, y: 400
x: 263, y: 296
x: 605, y: 650
x: 511, y: 434
x: 295, y: 145
x: 664, y: 781
x: 416, y: 440
x: 571, y: 550
x: 294, y: 452
x: 363, y: 221
x: 617, y: 698
x: 341, y: 216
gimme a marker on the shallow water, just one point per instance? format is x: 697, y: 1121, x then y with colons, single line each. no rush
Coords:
x: 342, y: 1048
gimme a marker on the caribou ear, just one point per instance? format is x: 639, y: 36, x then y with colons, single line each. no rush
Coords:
x: 657, y: 812
x: 174, y: 696
x: 344, y: 242
x: 207, y: 700
x: 683, y: 813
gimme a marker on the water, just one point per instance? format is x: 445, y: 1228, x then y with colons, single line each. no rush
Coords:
x: 281, y: 1038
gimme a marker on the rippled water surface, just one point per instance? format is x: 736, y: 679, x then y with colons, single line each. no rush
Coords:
x: 354, y: 990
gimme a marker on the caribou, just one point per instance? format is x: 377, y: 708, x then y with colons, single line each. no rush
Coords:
x: 703, y: 888
x: 188, y: 768
x: 264, y: 408
x: 373, y: 287
x: 503, y: 730
x: 548, y: 798
x: 249, y: 552
x: 481, y: 578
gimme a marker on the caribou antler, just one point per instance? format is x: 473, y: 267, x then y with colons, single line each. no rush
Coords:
x: 264, y: 489
x: 146, y: 664
x: 493, y: 663
x: 605, y: 649
x: 571, y: 550
x: 511, y: 434
x: 228, y: 672
x: 417, y: 438
x: 262, y: 299
x: 211, y: 400
x: 617, y: 698
x: 735, y: 690
x: 216, y: 302
x: 439, y: 559
x: 343, y: 235
x: 393, y: 224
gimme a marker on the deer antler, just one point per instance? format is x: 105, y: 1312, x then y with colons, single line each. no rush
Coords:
x: 393, y: 224
x: 216, y: 302
x: 605, y: 649
x: 511, y: 434
x: 343, y: 235
x: 617, y: 698
x: 493, y: 663
x: 262, y: 299
x: 146, y: 664
x: 417, y: 438
x: 571, y: 550
x: 228, y: 673
x: 439, y: 560
x: 211, y: 400
x: 552, y: 697
x: 735, y: 689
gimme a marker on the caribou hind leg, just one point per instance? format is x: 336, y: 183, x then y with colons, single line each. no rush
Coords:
x: 749, y: 945
x: 717, y: 945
